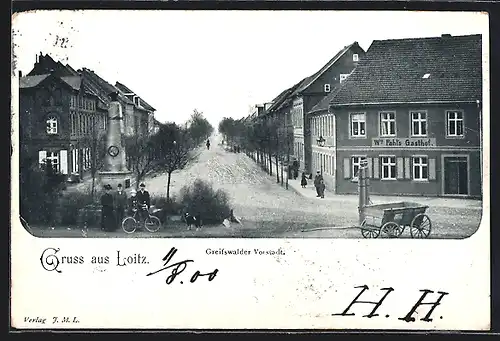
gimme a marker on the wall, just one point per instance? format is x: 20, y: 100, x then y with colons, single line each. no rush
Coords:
x: 315, y: 93
x: 436, y: 124
x: 348, y: 146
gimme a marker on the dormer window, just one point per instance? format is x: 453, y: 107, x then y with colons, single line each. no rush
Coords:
x: 327, y: 88
x: 343, y: 77
x: 51, y: 125
x: 355, y: 57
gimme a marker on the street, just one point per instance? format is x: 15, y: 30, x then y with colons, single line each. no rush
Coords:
x: 268, y: 210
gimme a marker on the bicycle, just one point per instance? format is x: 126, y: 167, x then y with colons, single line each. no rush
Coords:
x: 131, y: 223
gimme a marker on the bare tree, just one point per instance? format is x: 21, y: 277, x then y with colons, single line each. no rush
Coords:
x: 173, y: 147
x: 95, y: 142
x: 141, y: 155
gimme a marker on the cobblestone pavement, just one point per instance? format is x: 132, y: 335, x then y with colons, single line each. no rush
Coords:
x: 269, y: 210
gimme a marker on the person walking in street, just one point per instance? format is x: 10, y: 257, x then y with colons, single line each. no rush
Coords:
x: 317, y: 180
x: 303, y: 181
x: 322, y: 188
x: 120, y: 204
x: 144, y: 201
x: 208, y: 144
x: 107, y: 214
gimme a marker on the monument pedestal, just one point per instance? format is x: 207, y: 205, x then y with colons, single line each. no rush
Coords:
x: 114, y: 170
x: 115, y: 178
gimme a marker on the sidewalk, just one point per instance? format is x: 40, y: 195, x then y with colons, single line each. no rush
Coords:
x: 310, y: 192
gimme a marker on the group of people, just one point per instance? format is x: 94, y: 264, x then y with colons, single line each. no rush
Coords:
x: 115, y: 205
x: 319, y: 184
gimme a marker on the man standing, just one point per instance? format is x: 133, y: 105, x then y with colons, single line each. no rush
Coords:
x: 120, y: 204
x: 317, y: 180
x: 143, y: 200
x: 107, y: 216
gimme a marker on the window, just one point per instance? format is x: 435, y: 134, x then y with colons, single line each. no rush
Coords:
x: 418, y: 123
x: 358, y: 125
x: 72, y: 123
x: 455, y: 123
x: 388, y: 167
x: 327, y: 87
x: 356, y: 163
x: 53, y: 158
x: 355, y: 57
x: 51, y: 125
x: 420, y: 168
x: 343, y: 77
x: 387, y: 123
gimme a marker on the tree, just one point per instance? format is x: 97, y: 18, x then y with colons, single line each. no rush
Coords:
x: 173, y: 148
x: 141, y: 155
x: 95, y: 142
x: 198, y: 127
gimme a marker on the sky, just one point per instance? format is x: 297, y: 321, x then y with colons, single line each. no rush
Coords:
x: 222, y: 63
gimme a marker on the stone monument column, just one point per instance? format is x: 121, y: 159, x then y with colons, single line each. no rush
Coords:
x: 114, y: 166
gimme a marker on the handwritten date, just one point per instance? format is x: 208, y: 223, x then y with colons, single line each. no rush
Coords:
x: 180, y: 267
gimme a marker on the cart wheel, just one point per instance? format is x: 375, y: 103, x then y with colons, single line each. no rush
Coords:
x: 420, y: 226
x: 369, y: 233
x: 392, y: 229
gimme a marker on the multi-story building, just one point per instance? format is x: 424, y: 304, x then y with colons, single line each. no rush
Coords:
x: 311, y: 91
x: 63, y: 112
x: 58, y: 115
x: 412, y: 109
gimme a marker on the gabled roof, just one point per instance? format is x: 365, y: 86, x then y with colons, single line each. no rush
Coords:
x: 325, y: 102
x: 74, y: 81
x: 439, y: 69
x: 127, y: 91
x: 31, y: 81
x: 102, y: 88
x: 311, y: 79
x: 289, y: 96
x: 283, y: 98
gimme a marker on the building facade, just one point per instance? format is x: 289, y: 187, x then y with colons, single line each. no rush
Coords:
x: 59, y: 117
x: 415, y: 116
x: 63, y: 115
x: 308, y: 94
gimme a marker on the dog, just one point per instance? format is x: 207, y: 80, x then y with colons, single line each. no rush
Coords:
x: 193, y: 220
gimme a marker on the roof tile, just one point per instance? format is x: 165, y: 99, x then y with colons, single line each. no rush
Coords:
x: 392, y: 72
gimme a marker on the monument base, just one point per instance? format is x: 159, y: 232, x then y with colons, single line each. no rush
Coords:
x: 115, y: 178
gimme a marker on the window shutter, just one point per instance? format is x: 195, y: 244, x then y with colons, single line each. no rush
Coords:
x: 407, y: 168
x: 399, y: 168
x: 370, y: 167
x: 376, y: 168
x: 432, y: 169
x: 347, y: 168
x: 63, y: 161
x: 42, y: 154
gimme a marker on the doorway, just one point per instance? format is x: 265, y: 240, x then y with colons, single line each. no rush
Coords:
x: 456, y: 177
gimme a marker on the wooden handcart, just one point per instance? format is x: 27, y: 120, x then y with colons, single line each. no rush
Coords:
x: 392, y: 219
